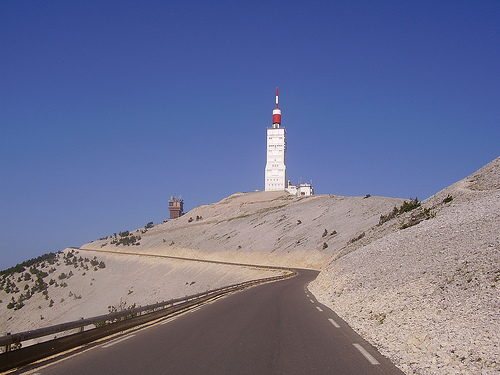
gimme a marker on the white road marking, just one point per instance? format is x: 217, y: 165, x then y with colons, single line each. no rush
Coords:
x: 117, y: 341
x: 319, y: 308
x: 335, y: 324
x: 311, y: 301
x: 168, y: 320
x: 367, y: 355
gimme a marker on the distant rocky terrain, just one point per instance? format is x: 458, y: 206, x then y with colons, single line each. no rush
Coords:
x: 428, y: 295
x: 418, y: 279
x: 269, y: 228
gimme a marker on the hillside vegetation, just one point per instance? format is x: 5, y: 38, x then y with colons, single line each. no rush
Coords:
x: 81, y: 284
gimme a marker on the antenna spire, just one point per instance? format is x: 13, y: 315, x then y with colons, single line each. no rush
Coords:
x: 276, y: 113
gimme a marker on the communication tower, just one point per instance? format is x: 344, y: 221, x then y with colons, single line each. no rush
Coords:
x: 275, y: 174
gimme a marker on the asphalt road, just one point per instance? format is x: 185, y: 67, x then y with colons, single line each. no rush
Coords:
x: 276, y: 328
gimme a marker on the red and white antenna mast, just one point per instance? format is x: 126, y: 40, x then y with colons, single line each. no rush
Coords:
x: 276, y: 113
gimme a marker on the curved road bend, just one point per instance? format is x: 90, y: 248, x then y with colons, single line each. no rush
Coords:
x: 275, y: 328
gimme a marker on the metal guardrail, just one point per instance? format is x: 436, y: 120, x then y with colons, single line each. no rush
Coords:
x: 105, y: 325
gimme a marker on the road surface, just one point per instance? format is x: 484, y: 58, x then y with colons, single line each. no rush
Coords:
x: 275, y: 328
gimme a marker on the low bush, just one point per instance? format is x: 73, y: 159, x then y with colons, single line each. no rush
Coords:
x: 357, y: 238
x: 418, y: 217
x: 448, y: 199
x: 405, y: 207
x: 50, y: 258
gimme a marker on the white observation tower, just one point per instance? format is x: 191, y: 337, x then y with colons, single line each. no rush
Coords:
x: 276, y: 148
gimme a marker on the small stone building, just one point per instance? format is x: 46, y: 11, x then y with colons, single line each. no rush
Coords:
x: 176, y: 207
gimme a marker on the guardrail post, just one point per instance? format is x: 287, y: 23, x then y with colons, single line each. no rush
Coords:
x: 8, y: 346
x: 82, y: 327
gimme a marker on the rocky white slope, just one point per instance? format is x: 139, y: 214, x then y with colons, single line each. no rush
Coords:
x: 253, y: 228
x: 428, y: 295
x: 81, y: 289
x: 271, y: 228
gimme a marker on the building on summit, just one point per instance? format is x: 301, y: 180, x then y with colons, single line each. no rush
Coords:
x: 275, y: 173
x: 302, y: 189
x: 176, y: 207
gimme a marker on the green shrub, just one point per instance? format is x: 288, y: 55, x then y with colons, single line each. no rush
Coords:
x: 448, y: 199
x: 409, y: 206
x: 16, y: 305
x: 357, y: 238
x: 50, y: 258
x: 405, y: 207
x: 11, y: 304
x: 418, y: 217
x: 127, y: 241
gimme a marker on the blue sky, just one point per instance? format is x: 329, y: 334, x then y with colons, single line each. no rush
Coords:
x: 108, y: 108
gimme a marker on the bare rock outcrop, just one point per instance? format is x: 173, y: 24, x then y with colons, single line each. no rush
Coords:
x: 269, y: 228
x: 428, y: 296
